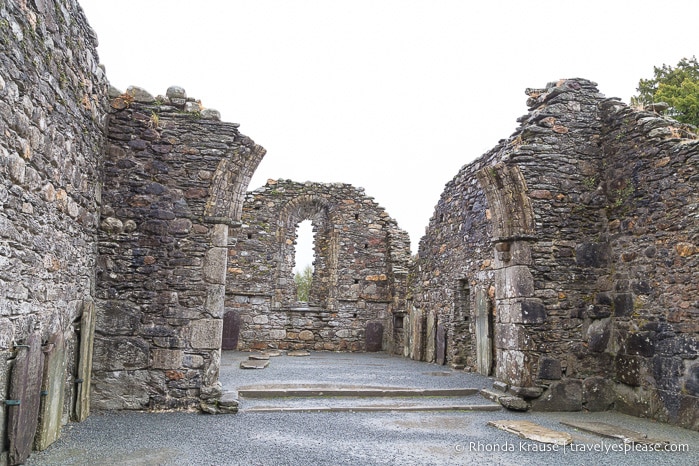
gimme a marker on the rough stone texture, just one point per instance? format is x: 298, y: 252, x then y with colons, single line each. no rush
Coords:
x: 360, y: 268
x: 52, y: 112
x: 582, y: 230
x: 173, y: 185
x: 53, y: 392
x: 25, y: 389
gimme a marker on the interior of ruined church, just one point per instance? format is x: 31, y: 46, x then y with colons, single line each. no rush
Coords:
x: 561, y: 263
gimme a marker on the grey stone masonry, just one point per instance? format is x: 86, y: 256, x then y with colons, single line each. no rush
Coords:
x: 360, y: 269
x: 564, y: 260
x: 173, y: 180
x: 53, y: 107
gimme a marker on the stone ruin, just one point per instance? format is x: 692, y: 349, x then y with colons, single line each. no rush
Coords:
x: 360, y: 271
x: 563, y: 262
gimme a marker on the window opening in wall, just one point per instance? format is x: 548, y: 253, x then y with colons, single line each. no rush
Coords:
x: 397, y: 321
x: 303, y: 260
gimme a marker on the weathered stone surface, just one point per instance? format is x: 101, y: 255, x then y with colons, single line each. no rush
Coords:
x: 565, y: 395
x: 532, y: 431
x: 550, y: 369
x: 86, y: 353
x: 53, y: 385
x: 259, y: 356
x: 166, y: 359
x: 513, y: 403
x: 140, y: 95
x: 607, y: 430
x: 361, y: 257
x: 441, y: 353
x: 374, y: 336
x: 598, y: 394
x: 176, y: 92
x: 254, y: 364
x: 231, y: 330
x: 298, y: 353
x: 602, y: 283
x: 226, y: 404
x: 25, y: 388
x: 206, y: 333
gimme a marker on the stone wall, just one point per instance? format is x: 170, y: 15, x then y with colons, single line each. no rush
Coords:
x: 52, y: 110
x: 360, y: 264
x: 563, y: 261
x: 174, y: 176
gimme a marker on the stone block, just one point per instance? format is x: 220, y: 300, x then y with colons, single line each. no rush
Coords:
x: 628, y: 369
x: 215, y: 261
x: 306, y: 335
x: 430, y: 336
x: 596, y: 255
x: 85, y: 359
x: 121, y: 353
x: 277, y: 334
x: 667, y: 372
x: 598, y: 334
x: 206, y: 333
x: 527, y: 393
x: 623, y: 304
x: 114, y: 391
x: 260, y: 319
x: 374, y: 336
x: 565, y: 395
x: 549, y: 368
x: 53, y: 385
x: 691, y: 380
x: 640, y: 343
x: 510, y: 336
x: 219, y: 235
x: 514, y: 282
x: 598, y: 394
x: 167, y: 359
x: 533, y: 311
x: 513, y: 403
x: 25, y: 388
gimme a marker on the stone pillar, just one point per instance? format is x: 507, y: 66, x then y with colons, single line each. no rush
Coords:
x: 207, y: 333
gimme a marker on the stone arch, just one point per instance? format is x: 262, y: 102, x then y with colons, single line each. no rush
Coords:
x: 320, y: 212
x: 513, y: 231
x: 510, y: 207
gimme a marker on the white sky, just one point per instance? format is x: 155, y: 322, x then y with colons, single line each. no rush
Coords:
x: 390, y: 95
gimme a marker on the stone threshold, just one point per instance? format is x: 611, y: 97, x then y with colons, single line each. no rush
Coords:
x: 353, y: 392
x: 374, y: 408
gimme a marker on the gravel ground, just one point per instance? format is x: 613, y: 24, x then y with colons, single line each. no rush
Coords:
x: 405, y: 438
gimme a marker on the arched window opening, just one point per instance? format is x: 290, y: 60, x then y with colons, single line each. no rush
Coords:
x: 303, y: 261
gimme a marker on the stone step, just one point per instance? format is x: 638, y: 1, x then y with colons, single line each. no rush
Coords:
x: 368, y: 392
x: 373, y: 408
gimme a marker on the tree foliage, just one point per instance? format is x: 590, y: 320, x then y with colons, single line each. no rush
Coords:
x: 678, y: 86
x: 303, y: 282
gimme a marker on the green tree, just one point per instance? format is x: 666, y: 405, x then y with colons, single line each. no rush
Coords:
x: 303, y: 283
x: 678, y: 87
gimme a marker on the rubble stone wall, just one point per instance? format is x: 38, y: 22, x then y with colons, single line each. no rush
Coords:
x: 173, y: 178
x: 585, y: 239
x: 360, y: 265
x: 52, y: 113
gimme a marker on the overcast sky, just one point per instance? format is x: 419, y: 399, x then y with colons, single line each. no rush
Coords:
x: 391, y: 95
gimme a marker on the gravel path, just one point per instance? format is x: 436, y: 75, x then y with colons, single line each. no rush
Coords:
x: 405, y: 438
